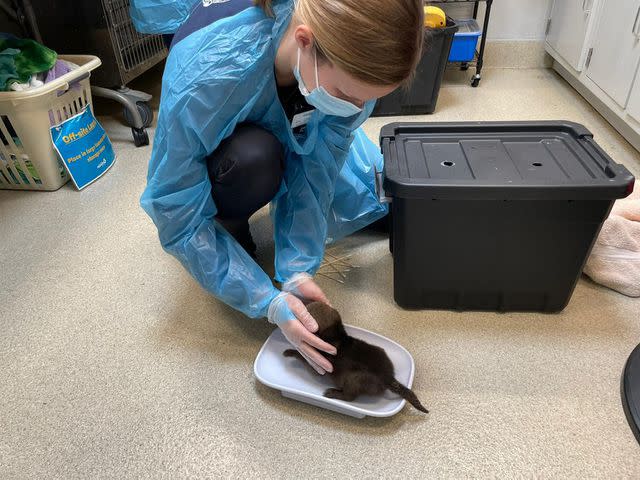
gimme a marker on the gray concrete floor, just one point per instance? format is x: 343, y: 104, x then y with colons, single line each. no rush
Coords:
x: 115, y: 364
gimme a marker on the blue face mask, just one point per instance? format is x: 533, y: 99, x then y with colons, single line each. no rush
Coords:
x: 321, y: 99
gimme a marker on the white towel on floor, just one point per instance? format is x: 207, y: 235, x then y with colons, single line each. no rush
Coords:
x: 615, y: 258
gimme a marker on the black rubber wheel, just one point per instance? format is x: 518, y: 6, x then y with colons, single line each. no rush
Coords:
x: 145, y: 112
x: 464, y: 66
x: 630, y: 391
x: 140, y: 137
x: 475, y: 82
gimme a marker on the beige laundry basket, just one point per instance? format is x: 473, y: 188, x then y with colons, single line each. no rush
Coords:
x: 28, y: 160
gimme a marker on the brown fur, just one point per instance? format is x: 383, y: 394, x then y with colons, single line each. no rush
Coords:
x: 358, y: 368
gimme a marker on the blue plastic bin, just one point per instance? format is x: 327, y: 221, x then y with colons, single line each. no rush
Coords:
x: 465, y: 40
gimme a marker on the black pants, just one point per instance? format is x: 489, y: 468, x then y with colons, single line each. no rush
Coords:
x: 245, y: 172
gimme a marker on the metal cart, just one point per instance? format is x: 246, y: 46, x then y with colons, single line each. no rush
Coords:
x: 479, y: 56
x: 102, y: 28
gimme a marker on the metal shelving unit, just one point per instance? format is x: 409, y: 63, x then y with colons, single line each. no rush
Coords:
x: 479, y: 56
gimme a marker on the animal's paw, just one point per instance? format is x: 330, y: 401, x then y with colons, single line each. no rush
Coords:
x: 333, y: 393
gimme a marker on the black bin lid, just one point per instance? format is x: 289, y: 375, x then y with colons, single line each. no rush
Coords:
x: 550, y: 160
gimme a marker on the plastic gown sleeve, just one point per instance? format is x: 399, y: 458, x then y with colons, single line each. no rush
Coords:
x: 356, y: 203
x: 300, y: 213
x: 160, y: 16
x: 178, y: 194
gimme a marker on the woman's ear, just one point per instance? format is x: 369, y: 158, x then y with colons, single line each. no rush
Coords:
x: 304, y: 37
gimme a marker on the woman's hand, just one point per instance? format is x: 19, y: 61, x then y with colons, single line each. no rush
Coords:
x: 289, y: 313
x: 303, y: 286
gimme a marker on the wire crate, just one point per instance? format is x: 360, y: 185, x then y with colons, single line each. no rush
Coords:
x: 135, y: 52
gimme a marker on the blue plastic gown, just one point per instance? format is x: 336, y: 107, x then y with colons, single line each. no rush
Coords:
x: 160, y: 16
x: 214, y: 79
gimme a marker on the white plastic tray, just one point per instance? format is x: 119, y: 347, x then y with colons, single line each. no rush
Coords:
x: 295, y: 380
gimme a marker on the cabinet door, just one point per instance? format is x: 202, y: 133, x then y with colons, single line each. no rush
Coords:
x: 633, y: 107
x: 567, y: 29
x: 616, y: 48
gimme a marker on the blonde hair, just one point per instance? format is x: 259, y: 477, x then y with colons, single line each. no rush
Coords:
x: 376, y: 41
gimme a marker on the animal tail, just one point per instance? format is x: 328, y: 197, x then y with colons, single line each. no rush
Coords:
x: 407, y: 394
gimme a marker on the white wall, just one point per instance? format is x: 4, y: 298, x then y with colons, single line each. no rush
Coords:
x: 510, y: 19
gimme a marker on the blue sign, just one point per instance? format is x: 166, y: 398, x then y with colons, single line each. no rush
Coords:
x: 84, y: 147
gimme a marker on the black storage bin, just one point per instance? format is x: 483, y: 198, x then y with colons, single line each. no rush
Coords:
x: 422, y: 95
x: 495, y: 215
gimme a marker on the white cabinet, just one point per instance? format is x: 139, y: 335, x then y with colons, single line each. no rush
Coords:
x: 616, y: 48
x: 595, y: 45
x: 567, y: 30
